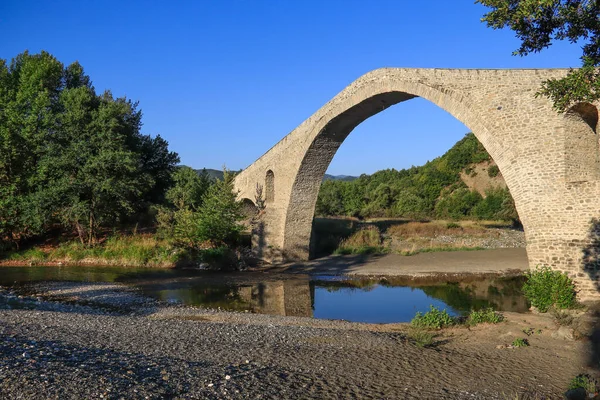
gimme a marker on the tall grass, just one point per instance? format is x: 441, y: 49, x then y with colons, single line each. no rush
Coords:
x: 434, y: 228
x: 364, y: 241
x: 128, y: 250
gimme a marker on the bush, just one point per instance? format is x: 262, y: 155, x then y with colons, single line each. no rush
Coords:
x: 421, y: 337
x: 493, y: 171
x: 520, y: 342
x: 432, y: 319
x: 220, y: 258
x: 585, y: 382
x: 487, y: 315
x: 546, y: 288
x: 218, y: 219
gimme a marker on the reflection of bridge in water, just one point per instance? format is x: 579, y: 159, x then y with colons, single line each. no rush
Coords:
x: 285, y: 297
x: 261, y: 293
x: 334, y: 297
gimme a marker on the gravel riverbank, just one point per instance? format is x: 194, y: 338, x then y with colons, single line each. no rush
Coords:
x: 70, y: 341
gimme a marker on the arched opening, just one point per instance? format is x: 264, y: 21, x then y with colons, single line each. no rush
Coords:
x: 582, y: 161
x: 249, y: 209
x: 347, y: 114
x: 269, y: 187
x: 586, y: 112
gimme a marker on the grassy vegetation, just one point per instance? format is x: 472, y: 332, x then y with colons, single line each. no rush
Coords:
x: 438, y: 319
x: 520, y: 342
x: 351, y: 236
x: 435, y: 228
x: 433, y: 319
x: 487, y: 315
x: 131, y: 250
x: 364, y: 241
x: 585, y: 382
x: 422, y: 337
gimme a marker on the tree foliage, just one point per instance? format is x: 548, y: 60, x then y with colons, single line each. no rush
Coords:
x: 201, y: 211
x: 433, y: 190
x: 70, y: 156
x: 537, y: 23
x: 220, y: 215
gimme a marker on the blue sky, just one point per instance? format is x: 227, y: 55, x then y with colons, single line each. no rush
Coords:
x: 224, y: 80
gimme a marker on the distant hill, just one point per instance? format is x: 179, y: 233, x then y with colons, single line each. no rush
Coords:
x: 213, y: 173
x: 218, y: 174
x: 346, y: 178
x: 463, y: 183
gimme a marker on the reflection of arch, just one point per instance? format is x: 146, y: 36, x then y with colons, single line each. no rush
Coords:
x: 581, y: 143
x: 342, y: 116
x: 249, y: 209
x: 270, y: 187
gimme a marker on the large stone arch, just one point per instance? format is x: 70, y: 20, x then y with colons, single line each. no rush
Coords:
x: 545, y: 158
x: 365, y: 102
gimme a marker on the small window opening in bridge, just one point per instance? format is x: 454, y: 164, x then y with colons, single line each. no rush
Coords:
x: 270, y: 187
x: 249, y: 209
x: 584, y: 112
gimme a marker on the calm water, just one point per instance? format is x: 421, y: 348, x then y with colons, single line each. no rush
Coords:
x: 324, y: 297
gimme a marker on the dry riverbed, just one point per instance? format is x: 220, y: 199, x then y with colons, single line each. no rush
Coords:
x: 79, y: 340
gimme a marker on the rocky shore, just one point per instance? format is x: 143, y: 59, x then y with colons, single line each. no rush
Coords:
x: 79, y: 340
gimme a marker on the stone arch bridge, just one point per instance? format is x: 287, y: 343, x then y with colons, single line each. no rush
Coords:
x: 550, y: 161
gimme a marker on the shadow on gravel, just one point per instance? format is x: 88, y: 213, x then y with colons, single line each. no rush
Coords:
x: 591, y: 256
x: 44, y: 369
x: 329, y: 265
x: 77, y: 297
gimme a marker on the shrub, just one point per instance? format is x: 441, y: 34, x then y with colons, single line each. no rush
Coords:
x: 545, y: 288
x: 585, y: 382
x: 520, y: 342
x: 220, y: 258
x: 487, y: 315
x: 421, y: 337
x: 493, y: 171
x: 218, y: 219
x: 432, y: 319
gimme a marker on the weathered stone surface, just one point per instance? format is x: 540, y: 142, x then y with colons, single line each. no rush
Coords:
x: 550, y: 161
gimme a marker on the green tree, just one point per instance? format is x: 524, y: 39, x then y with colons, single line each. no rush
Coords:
x: 29, y: 89
x: 220, y: 215
x: 68, y: 155
x: 458, y: 204
x: 537, y: 23
x: 409, y: 205
x: 188, y: 188
x: 96, y: 170
x: 330, y: 200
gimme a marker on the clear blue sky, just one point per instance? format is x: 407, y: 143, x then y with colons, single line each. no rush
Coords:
x: 224, y: 80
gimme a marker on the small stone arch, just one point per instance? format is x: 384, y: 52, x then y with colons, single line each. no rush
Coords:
x: 269, y: 187
x: 249, y: 209
x: 582, y: 158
